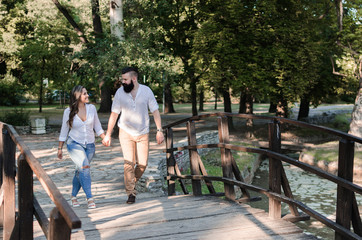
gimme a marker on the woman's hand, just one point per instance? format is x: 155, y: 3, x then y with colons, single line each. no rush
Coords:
x: 60, y: 153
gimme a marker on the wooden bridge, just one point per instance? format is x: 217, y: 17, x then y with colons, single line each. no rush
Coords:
x: 197, y: 216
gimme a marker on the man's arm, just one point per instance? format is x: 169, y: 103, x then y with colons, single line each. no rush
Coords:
x: 111, y: 122
x: 157, y: 118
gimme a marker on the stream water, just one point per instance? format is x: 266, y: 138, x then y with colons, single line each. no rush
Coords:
x: 315, y: 192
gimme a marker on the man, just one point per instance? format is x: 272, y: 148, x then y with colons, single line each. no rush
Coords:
x: 133, y: 100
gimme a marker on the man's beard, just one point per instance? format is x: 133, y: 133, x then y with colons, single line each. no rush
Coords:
x: 128, y: 87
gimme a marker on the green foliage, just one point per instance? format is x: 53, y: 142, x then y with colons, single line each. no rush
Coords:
x: 10, y: 92
x: 16, y: 117
x: 341, y: 122
x: 270, y: 49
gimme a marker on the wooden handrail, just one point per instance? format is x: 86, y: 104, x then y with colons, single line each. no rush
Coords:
x: 48, y: 185
x: 282, y: 120
x: 28, y: 165
x: 304, y: 166
x: 347, y: 208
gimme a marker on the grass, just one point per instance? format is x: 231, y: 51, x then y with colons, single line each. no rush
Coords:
x: 329, y: 153
x: 212, y: 163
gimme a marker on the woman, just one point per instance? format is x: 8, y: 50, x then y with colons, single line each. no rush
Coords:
x: 80, y: 118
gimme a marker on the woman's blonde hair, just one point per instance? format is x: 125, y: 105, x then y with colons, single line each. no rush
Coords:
x: 74, y: 102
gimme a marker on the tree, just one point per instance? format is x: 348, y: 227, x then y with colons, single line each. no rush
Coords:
x: 230, y: 47
x: 179, y: 20
x: 116, y: 18
x: 44, y: 54
x: 350, y: 62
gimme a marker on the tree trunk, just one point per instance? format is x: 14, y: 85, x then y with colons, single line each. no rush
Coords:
x: 282, y: 108
x: 355, y: 127
x: 193, y: 96
x: 304, y: 108
x: 339, y: 8
x: 106, y: 99
x: 249, y: 103
x: 201, y: 101
x: 242, y: 103
x: 215, y: 107
x: 41, y: 85
x: 70, y: 19
x: 168, y: 98
x: 116, y: 18
x: 227, y: 106
x: 97, y: 24
x: 272, y: 107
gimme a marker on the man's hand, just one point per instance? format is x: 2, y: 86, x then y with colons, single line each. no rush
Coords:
x: 159, y: 137
x: 106, y: 141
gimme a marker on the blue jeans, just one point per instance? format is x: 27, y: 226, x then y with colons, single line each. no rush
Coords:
x: 82, y: 156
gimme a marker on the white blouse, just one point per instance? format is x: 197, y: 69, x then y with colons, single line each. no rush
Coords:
x: 134, y: 112
x: 81, y: 131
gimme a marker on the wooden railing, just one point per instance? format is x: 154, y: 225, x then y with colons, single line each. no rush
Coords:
x: 19, y: 224
x: 347, y: 212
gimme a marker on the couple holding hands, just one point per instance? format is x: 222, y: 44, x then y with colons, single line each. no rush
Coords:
x: 80, y: 121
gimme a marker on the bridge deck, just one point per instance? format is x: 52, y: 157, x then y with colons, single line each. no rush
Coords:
x: 179, y: 217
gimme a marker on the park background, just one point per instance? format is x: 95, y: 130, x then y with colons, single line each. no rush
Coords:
x: 197, y: 56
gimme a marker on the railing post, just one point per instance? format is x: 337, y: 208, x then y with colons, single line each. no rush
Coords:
x: 8, y: 185
x: 275, y: 209
x: 1, y: 171
x: 194, y: 161
x: 58, y: 228
x: 170, y: 160
x: 25, y: 199
x: 344, y: 197
x: 226, y: 157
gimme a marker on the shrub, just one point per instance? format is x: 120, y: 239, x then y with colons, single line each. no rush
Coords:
x: 10, y: 94
x: 17, y: 117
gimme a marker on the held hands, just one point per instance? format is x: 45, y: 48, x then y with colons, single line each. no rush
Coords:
x: 106, y: 141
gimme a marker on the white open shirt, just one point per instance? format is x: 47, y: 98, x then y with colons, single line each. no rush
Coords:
x: 81, y: 132
x: 134, y: 118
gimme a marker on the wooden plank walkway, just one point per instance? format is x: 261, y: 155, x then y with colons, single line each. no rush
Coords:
x: 179, y: 217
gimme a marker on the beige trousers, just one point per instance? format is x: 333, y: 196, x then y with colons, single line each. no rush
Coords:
x: 135, y: 154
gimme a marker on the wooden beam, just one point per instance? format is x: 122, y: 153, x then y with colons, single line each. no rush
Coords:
x: 8, y: 185
x: 194, y: 162
x: 208, y: 183
x: 275, y: 166
x: 344, y: 196
x: 239, y: 177
x: 226, y: 163
x: 58, y: 228
x: 25, y: 199
x: 41, y: 217
x: 170, y: 160
x: 356, y: 218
